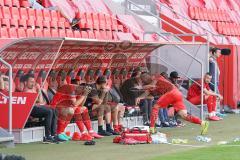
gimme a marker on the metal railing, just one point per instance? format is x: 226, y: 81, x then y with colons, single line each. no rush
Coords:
x: 9, y: 97
x: 194, y: 58
x: 189, y: 20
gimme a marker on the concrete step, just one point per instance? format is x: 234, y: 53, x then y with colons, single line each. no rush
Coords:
x: 6, y: 139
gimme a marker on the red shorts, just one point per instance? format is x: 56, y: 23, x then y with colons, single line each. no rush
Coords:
x: 174, y: 98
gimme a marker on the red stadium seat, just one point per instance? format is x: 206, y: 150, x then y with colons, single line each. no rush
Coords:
x: 47, y: 15
x: 97, y: 35
x: 95, y: 21
x: 54, y: 15
x: 24, y: 3
x: 114, y: 23
x: 69, y: 33
x: 30, y: 23
x: 62, y: 33
x: 91, y: 34
x: 23, y: 15
x: 54, y: 24
x: 8, y: 3
x: 77, y: 34
x: 30, y: 33
x: 90, y: 23
x: 54, y: 32
x: 205, y: 14
x: 38, y: 32
x: 30, y: 13
x: 6, y: 12
x: 14, y: 23
x: 61, y: 25
x: 67, y: 25
x: 84, y: 34
x: 46, y: 24
x: 83, y: 20
x: 103, y: 35
x: 15, y: 13
x: 191, y: 12
x: 5, y: 22
x: 108, y: 22
x: 1, y: 3
x: 109, y: 35
x: 39, y: 24
x: 15, y: 3
x: 39, y: 14
x: 21, y: 33
x: 4, y: 33
x: 102, y: 21
x: 47, y: 33
x: 12, y: 33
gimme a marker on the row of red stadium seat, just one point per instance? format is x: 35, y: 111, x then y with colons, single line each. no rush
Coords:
x: 230, y: 29
x: 14, y: 3
x: 23, y: 17
x: 23, y: 33
x: 198, y: 13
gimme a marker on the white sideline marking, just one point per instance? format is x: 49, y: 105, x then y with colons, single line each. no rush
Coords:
x: 189, y: 145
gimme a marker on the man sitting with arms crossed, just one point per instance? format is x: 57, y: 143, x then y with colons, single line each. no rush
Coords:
x: 210, y: 97
x: 40, y: 110
x: 169, y: 94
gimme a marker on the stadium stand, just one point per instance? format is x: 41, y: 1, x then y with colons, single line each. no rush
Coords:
x: 216, y: 22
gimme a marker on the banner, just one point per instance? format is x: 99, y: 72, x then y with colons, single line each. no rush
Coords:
x: 22, y: 104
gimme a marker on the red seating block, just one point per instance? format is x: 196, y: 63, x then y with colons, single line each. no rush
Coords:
x: 114, y: 23
x: 84, y: 34
x: 77, y: 34
x: 54, y: 24
x: 95, y: 21
x: 8, y: 3
x: 89, y: 19
x: 47, y: 33
x: 38, y: 32
x: 1, y: 3
x: 108, y: 22
x: 15, y: 3
x: 24, y: 3
x: 62, y: 33
x: 83, y: 20
x: 69, y: 33
x: 39, y: 24
x: 14, y: 23
x: 97, y: 35
x: 102, y: 21
x: 5, y: 22
x: 54, y: 32
x: 46, y: 15
x: 103, y: 35
x: 4, y: 33
x: 12, y: 33
x: 15, y: 13
x: 191, y: 12
x: 30, y: 33
x: 30, y: 23
x: 31, y: 13
x: 91, y: 34
x: 21, y: 33
x: 23, y: 13
x: 39, y: 14
x: 54, y: 15
x: 6, y: 12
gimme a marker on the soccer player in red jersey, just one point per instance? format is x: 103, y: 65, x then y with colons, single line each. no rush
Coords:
x: 210, y: 98
x: 169, y: 94
x: 69, y: 101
